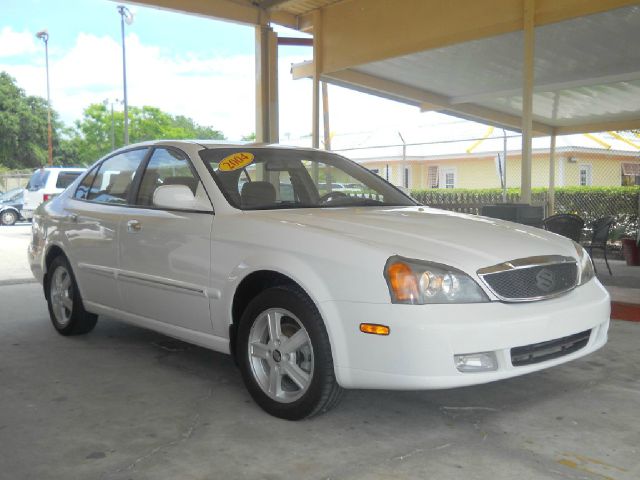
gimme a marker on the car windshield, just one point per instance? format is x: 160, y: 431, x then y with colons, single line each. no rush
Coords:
x: 11, y: 195
x: 273, y: 178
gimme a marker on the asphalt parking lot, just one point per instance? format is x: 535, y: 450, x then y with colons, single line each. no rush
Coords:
x: 125, y: 403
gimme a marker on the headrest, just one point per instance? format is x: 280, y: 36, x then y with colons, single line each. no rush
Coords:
x: 258, y: 194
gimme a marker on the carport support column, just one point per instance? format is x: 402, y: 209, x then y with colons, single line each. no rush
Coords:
x: 551, y: 193
x: 527, y: 100
x: 266, y: 85
x: 317, y: 70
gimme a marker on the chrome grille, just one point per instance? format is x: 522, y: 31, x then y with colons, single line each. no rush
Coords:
x: 543, y: 351
x: 532, y: 278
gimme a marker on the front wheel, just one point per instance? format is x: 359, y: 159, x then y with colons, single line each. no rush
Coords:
x: 8, y: 217
x: 285, y: 355
x: 66, y: 310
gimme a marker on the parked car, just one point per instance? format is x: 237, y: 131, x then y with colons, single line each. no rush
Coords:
x: 311, y: 293
x: 10, y: 206
x: 46, y: 183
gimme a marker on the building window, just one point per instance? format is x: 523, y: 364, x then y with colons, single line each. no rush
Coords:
x: 448, y: 178
x: 432, y: 177
x: 585, y: 175
x: 630, y: 174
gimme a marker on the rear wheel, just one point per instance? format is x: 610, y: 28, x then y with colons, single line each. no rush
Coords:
x: 8, y: 217
x: 66, y: 310
x: 285, y: 355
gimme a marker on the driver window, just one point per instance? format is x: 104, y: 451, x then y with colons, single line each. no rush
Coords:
x: 169, y: 167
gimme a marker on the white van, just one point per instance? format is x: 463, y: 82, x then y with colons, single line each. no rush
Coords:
x: 46, y: 183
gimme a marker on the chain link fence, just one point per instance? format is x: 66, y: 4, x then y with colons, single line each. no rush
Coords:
x: 9, y: 181
x: 593, y: 175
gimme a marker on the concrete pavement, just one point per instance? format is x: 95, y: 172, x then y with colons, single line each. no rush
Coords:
x: 125, y: 403
x: 13, y: 253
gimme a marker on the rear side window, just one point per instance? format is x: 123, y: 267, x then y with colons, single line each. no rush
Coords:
x: 114, y: 178
x: 38, y: 180
x: 66, y: 178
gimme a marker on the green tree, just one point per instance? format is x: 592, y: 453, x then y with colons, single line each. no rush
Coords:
x: 23, y: 126
x: 93, y: 132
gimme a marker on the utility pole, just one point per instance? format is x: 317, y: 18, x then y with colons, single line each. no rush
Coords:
x: 125, y: 16
x: 44, y: 36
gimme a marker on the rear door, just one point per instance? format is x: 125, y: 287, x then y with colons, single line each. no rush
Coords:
x: 93, y: 217
x: 165, y: 253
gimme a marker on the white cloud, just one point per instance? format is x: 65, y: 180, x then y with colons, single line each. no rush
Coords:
x: 16, y: 43
x: 213, y: 90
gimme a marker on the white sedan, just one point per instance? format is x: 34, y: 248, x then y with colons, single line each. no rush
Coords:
x: 233, y: 248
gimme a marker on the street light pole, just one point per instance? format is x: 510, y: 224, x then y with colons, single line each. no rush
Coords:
x: 44, y: 36
x: 125, y: 16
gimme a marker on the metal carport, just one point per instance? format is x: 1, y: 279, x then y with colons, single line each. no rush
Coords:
x: 543, y: 67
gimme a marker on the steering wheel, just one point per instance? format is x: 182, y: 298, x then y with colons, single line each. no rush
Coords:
x: 331, y: 196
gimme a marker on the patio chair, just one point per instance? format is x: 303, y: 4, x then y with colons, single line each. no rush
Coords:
x: 565, y: 224
x: 601, y: 228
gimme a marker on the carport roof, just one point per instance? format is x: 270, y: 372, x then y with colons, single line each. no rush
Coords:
x: 465, y: 57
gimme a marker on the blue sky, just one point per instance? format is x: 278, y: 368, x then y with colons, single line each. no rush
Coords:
x: 166, y: 29
x: 184, y: 64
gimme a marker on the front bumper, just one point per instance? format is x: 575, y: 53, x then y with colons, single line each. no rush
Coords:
x: 419, y: 352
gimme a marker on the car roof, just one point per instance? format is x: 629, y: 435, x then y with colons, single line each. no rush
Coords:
x: 213, y: 144
x: 63, y: 169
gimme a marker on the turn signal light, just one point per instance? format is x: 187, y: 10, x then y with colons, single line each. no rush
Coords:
x: 403, y: 282
x: 46, y: 197
x: 374, y: 329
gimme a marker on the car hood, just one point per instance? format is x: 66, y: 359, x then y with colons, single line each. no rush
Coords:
x: 464, y: 241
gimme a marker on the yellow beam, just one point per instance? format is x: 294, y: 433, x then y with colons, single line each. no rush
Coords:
x: 625, y: 140
x: 427, y: 100
x: 239, y: 11
x: 597, y: 140
x: 303, y: 70
x: 616, y: 125
x: 363, y: 31
x: 478, y: 142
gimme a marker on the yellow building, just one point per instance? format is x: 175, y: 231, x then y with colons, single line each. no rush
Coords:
x: 574, y: 166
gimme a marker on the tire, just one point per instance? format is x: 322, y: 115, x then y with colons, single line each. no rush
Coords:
x: 66, y: 310
x: 8, y: 217
x: 289, y: 384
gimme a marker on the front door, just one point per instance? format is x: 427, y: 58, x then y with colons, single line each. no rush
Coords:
x: 164, y: 252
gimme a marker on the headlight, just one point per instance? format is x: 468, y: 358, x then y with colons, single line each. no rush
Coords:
x: 417, y: 282
x: 587, y: 272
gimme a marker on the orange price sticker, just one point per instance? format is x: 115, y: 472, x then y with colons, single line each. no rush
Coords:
x: 235, y: 161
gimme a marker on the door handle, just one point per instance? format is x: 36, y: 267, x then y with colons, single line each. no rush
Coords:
x: 134, y: 226
x: 72, y: 217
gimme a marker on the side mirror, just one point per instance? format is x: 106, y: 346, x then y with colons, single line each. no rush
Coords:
x: 178, y: 197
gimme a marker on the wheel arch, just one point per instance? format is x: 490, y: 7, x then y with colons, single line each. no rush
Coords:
x: 52, y: 252
x: 248, y: 288
x: 280, y: 268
